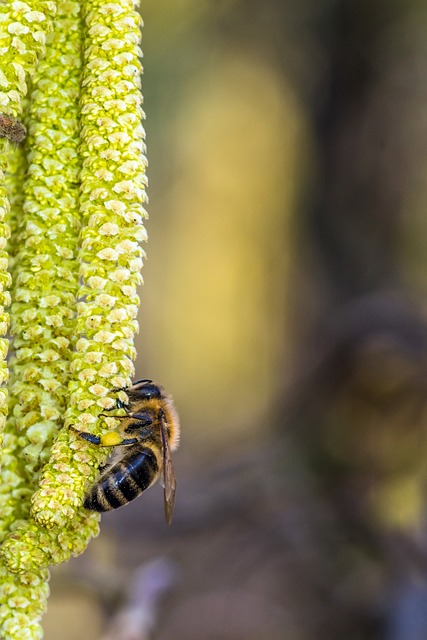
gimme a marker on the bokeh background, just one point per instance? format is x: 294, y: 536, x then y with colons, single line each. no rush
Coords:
x: 284, y: 307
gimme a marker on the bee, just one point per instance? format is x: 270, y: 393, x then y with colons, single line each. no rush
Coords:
x: 150, y: 432
x: 11, y: 128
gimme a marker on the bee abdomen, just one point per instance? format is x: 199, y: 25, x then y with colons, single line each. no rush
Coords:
x: 124, y: 481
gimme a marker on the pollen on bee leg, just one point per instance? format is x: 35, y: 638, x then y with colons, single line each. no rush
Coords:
x: 111, y: 439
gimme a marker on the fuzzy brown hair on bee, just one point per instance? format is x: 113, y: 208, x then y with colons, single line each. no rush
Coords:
x: 150, y: 432
x: 12, y: 129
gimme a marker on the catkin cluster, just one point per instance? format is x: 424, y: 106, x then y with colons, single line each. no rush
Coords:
x: 72, y: 199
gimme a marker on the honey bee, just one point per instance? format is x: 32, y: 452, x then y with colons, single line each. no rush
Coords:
x: 11, y: 128
x: 152, y: 424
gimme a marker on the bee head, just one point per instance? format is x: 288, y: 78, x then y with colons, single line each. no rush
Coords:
x: 147, y: 389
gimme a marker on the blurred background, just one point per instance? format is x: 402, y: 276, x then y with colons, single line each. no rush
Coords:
x: 284, y: 307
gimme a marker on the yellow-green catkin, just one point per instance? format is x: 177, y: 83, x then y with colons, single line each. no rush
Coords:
x: 113, y: 193
x: 22, y: 604
x: 45, y: 273
x: 16, y: 170
x: 112, y: 198
x: 45, y: 241
x: 23, y: 29
x: 5, y: 282
x: 14, y: 184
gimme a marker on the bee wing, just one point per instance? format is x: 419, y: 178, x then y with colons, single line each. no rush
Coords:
x: 169, y: 479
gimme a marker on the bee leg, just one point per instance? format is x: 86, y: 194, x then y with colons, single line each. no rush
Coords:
x: 119, y: 404
x: 142, y: 423
x: 110, y: 439
x: 113, y: 408
x: 127, y: 441
x: 90, y: 437
x: 114, y: 439
x: 144, y: 419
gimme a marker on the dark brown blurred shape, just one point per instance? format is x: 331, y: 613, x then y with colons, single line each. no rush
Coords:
x: 362, y: 409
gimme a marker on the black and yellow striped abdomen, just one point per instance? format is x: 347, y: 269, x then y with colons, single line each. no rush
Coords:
x: 124, y: 481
